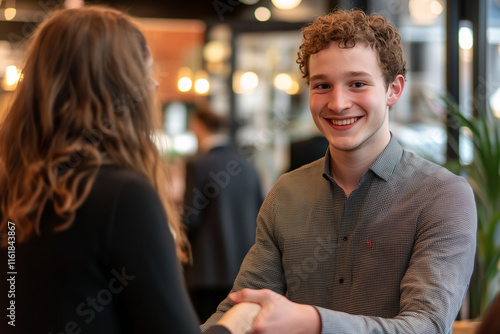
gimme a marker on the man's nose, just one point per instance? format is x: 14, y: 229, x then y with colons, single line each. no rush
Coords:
x: 338, y: 99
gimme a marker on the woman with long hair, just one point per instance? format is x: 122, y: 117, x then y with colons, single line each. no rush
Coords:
x: 89, y: 232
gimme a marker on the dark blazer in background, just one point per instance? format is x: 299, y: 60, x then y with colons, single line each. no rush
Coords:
x: 306, y: 151
x: 222, y: 200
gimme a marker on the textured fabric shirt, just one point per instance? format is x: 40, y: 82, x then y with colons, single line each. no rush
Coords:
x: 394, y: 257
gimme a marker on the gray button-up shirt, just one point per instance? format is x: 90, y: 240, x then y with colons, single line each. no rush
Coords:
x: 394, y: 257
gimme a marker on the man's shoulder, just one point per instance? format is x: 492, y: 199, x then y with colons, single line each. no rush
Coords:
x: 421, y: 170
x: 299, y: 187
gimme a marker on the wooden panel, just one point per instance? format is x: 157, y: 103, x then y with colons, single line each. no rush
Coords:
x: 174, y: 44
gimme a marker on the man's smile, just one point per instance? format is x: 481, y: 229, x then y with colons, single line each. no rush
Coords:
x: 346, y: 121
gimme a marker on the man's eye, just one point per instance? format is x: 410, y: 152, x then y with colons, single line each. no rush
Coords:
x: 358, y: 84
x: 322, y: 86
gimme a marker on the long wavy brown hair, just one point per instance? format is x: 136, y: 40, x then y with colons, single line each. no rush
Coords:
x: 85, y: 98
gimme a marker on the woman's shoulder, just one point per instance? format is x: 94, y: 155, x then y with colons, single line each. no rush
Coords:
x: 114, y: 173
x: 114, y: 178
x: 116, y: 186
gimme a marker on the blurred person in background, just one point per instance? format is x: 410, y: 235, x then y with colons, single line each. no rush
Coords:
x: 222, y: 198
x: 87, y: 225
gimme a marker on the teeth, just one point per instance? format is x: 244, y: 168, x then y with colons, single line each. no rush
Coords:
x: 344, y: 121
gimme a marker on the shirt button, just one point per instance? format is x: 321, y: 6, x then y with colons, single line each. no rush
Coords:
x: 341, y: 280
x: 345, y: 238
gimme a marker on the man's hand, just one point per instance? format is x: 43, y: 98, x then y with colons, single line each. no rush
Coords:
x: 278, y: 315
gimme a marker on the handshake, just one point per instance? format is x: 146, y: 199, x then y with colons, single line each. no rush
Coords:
x: 265, y: 311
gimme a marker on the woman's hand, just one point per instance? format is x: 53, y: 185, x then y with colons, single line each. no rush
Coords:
x: 277, y: 314
x: 239, y: 318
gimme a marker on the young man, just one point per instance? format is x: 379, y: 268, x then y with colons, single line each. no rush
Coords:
x: 371, y: 238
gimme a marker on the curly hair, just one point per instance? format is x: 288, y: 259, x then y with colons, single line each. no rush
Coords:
x: 85, y: 98
x: 351, y: 27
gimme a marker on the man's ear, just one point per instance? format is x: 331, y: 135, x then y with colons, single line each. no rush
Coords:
x: 395, y: 90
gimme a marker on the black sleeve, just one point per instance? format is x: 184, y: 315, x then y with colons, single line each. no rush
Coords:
x: 145, y: 264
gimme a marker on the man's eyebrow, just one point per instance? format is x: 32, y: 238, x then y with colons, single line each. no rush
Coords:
x: 317, y: 77
x: 359, y: 74
x: 352, y: 74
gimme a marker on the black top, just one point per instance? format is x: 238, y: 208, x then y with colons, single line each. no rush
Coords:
x: 114, y: 270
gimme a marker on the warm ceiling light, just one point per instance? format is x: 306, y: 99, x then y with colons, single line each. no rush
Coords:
x: 249, y: 81
x: 294, y: 88
x: 201, y: 83
x: 201, y: 86
x: 286, y: 4
x: 286, y: 83
x: 216, y: 51
x: 12, y: 75
x: 262, y: 14
x: 436, y: 7
x: 283, y: 81
x: 423, y: 12
x: 9, y: 13
x: 184, y: 84
x: 245, y: 82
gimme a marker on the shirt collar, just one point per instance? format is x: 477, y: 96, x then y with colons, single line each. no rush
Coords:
x: 383, y: 166
x: 387, y: 161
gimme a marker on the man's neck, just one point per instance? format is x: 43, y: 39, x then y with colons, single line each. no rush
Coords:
x: 347, y: 167
x: 348, y: 171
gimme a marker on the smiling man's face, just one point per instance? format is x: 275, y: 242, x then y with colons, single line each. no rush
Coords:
x: 349, y: 99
